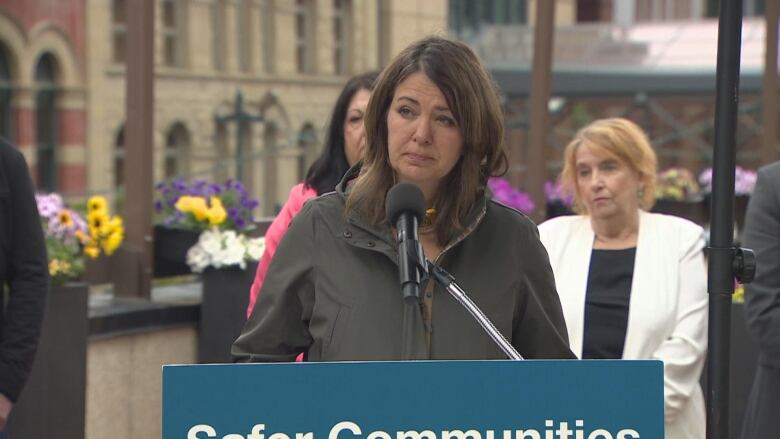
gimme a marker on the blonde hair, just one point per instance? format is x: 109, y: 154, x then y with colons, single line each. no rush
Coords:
x: 473, y: 99
x: 622, y: 139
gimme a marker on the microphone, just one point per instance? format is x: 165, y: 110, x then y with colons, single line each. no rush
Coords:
x: 404, y: 207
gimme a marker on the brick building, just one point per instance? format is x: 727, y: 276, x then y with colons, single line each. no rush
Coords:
x: 62, y: 83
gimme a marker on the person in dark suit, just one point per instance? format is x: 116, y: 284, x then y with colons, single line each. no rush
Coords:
x: 24, y: 277
x: 762, y: 304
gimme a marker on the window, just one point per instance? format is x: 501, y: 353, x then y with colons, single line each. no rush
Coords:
x: 270, y: 202
x: 118, y: 30
x: 244, y: 30
x: 662, y: 10
x: 176, y: 155
x: 304, y: 35
x: 218, y: 34
x: 383, y: 21
x: 307, y: 145
x: 172, y: 25
x: 119, y: 158
x: 46, y: 119
x: 342, y: 11
x: 467, y: 17
x: 750, y: 8
x: 268, y: 34
x: 6, y: 112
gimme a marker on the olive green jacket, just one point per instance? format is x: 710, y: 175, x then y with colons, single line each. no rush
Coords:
x: 332, y: 291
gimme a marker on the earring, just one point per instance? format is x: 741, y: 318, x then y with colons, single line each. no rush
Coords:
x: 640, y: 193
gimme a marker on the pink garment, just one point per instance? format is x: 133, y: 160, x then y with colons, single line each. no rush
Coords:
x: 299, y: 194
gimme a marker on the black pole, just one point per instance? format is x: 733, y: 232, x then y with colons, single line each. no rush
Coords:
x: 721, y: 252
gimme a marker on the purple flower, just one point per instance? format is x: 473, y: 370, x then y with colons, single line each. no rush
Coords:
x: 158, y: 206
x: 744, y: 180
x: 553, y: 192
x: 233, y: 213
x: 48, y: 204
x: 504, y: 193
x: 240, y: 223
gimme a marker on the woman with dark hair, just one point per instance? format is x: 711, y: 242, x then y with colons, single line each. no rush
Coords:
x: 332, y: 291
x: 344, y: 144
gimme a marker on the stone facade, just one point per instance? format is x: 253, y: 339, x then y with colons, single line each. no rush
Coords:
x: 205, y: 52
x: 213, y: 68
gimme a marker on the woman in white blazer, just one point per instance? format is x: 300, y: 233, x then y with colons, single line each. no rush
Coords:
x: 632, y: 283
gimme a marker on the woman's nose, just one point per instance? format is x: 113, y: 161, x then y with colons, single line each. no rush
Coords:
x: 422, y: 134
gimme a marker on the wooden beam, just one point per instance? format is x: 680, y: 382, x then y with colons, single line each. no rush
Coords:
x: 769, y: 89
x: 541, y: 80
x: 134, y: 277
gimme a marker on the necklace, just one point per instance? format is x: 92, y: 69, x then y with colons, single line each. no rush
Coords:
x: 429, y: 218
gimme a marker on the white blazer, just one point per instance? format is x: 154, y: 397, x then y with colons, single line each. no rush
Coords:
x: 667, y: 315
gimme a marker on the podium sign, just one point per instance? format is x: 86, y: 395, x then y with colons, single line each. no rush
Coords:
x: 415, y: 400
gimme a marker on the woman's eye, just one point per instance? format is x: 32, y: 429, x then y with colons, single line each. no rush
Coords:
x: 405, y: 111
x: 447, y: 121
x: 355, y: 119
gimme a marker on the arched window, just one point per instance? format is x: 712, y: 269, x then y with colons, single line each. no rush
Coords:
x: 269, y: 203
x: 177, y: 145
x: 222, y: 161
x: 6, y: 111
x: 307, y: 148
x: 119, y: 158
x: 46, y: 121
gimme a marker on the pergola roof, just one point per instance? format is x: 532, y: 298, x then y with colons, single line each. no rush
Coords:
x: 621, y: 82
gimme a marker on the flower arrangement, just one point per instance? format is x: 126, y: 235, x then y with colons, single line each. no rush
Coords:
x: 202, y: 205
x: 744, y: 180
x: 554, y: 193
x: 223, y: 248
x: 676, y: 184
x: 505, y: 193
x: 69, y: 237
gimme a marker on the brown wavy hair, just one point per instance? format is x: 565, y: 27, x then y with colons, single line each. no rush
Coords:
x: 472, y: 97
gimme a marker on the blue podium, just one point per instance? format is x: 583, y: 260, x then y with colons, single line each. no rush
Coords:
x: 415, y: 400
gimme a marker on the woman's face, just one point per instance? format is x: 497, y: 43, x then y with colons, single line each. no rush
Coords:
x: 354, y: 129
x: 424, y: 141
x: 607, y: 187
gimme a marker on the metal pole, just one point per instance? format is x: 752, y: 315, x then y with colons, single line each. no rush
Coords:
x: 721, y: 251
x: 541, y: 80
x: 769, y: 93
x: 137, y: 272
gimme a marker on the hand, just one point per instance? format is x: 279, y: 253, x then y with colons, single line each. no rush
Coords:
x: 5, y: 409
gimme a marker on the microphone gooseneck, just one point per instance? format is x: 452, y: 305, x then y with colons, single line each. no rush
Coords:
x: 404, y: 208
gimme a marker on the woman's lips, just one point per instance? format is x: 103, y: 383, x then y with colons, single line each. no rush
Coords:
x: 417, y: 158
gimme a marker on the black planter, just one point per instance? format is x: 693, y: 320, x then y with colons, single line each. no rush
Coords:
x: 223, y: 311
x: 53, y: 401
x: 693, y: 210
x: 170, y: 250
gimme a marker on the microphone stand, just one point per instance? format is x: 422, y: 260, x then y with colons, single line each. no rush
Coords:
x: 447, y: 281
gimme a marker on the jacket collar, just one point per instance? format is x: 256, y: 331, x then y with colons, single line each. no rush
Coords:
x: 384, y: 231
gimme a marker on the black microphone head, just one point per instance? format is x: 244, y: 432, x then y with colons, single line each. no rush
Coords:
x: 404, y: 197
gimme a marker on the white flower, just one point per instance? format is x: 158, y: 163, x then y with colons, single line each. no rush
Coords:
x: 197, y: 259
x: 223, y: 249
x: 255, y: 248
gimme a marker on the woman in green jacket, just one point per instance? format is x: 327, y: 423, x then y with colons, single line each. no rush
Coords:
x: 332, y: 289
